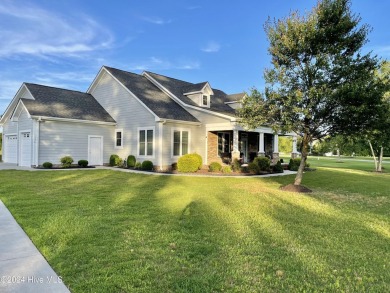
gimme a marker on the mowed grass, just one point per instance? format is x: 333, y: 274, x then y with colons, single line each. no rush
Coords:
x: 106, y: 231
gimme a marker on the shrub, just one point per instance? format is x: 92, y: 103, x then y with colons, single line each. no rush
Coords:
x: 66, y: 161
x: 226, y: 169
x: 131, y: 161
x: 188, y: 163
x: 47, y: 165
x: 115, y: 160
x: 82, y: 163
x: 174, y: 166
x: 200, y: 161
x: 253, y: 168
x: 147, y: 165
x: 138, y: 165
x: 263, y: 162
x: 236, y: 165
x: 278, y: 168
x: 215, y: 167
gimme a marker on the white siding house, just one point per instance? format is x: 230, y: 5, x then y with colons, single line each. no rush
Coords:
x: 150, y: 116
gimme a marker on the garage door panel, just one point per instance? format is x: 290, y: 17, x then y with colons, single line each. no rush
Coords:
x: 11, y: 149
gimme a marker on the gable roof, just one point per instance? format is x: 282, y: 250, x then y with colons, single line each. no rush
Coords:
x: 155, y: 99
x: 61, y: 103
x: 235, y: 97
x: 178, y: 88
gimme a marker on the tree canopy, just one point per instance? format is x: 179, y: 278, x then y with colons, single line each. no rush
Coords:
x: 320, y: 83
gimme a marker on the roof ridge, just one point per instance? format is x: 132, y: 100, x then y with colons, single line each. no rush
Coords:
x: 191, y: 83
x: 54, y: 87
x: 128, y: 72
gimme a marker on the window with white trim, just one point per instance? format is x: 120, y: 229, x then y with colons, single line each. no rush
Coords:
x: 145, y: 142
x: 180, y: 142
x: 118, y: 138
x: 205, y: 100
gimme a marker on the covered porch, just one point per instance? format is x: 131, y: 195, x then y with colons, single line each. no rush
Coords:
x: 225, y: 145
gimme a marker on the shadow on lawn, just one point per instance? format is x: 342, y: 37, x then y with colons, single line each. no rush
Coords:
x: 109, y: 231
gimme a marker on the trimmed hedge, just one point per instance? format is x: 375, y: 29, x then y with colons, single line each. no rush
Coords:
x: 138, y: 165
x: 200, y: 161
x: 263, y: 162
x: 278, y: 168
x: 236, y: 165
x: 253, y: 168
x: 115, y: 160
x: 66, y: 161
x: 226, y: 169
x: 131, y: 161
x: 82, y: 163
x: 215, y: 167
x: 147, y: 165
x: 188, y: 163
x: 47, y: 165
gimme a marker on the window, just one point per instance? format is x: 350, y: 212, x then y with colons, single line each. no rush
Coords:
x: 205, y: 101
x: 118, y: 138
x: 223, y: 143
x: 180, y: 142
x: 145, y: 142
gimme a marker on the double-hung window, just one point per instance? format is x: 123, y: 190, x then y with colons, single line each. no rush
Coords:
x: 180, y: 140
x: 146, y: 142
x: 118, y: 138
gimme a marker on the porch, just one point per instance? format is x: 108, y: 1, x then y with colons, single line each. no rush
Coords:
x: 225, y: 145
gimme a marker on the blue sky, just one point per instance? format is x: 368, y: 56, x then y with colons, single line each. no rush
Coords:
x: 64, y: 43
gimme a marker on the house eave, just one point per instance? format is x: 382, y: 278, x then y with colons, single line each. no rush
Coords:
x: 48, y: 118
x: 180, y: 121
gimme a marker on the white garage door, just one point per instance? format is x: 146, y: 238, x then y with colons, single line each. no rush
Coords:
x: 25, y: 149
x: 11, y: 149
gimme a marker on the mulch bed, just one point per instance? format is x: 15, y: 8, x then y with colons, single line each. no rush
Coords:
x: 296, y: 188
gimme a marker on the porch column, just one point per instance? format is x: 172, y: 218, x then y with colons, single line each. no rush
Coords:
x: 294, y: 153
x: 235, y: 151
x: 261, y: 152
x: 275, y: 154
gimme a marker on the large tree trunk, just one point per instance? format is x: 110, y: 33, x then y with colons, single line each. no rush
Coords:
x: 305, y: 144
x: 373, y: 155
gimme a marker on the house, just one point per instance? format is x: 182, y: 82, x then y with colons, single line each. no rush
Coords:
x: 148, y: 115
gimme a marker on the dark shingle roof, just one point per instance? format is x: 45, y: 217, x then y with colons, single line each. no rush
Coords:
x: 197, y: 87
x: 156, y: 100
x: 176, y: 86
x: 61, y: 103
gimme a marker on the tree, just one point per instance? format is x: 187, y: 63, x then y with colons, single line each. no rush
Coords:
x: 379, y: 136
x: 319, y: 84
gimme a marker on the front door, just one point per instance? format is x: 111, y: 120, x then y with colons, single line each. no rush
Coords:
x: 95, y: 150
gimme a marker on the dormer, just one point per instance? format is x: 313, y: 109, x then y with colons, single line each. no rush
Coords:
x: 199, y: 93
x: 235, y: 100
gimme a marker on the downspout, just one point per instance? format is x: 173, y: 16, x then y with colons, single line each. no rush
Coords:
x: 160, y: 141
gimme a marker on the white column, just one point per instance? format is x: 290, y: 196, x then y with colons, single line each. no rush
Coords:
x: 276, y: 143
x: 261, y: 144
x: 294, y: 152
x: 235, y: 151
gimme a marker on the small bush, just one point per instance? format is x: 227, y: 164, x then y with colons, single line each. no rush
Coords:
x: 226, y: 169
x: 188, y: 163
x: 147, y: 165
x: 115, y: 160
x: 82, y: 163
x: 138, y: 166
x: 254, y: 168
x: 263, y: 162
x: 278, y: 168
x: 215, y: 167
x: 174, y: 166
x: 66, y: 161
x: 47, y: 165
x: 200, y: 161
x: 131, y: 161
x: 236, y: 165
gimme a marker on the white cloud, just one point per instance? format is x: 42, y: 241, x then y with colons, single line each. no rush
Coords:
x: 35, y: 31
x: 211, y: 47
x: 156, y: 63
x: 156, y: 20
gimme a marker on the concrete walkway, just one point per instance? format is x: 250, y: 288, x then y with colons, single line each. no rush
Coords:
x: 23, y: 269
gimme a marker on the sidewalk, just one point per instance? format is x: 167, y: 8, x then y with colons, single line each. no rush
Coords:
x: 23, y: 269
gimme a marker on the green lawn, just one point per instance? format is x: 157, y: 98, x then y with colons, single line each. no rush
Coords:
x: 106, y: 231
